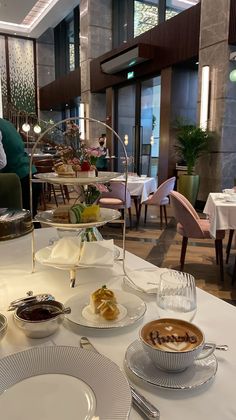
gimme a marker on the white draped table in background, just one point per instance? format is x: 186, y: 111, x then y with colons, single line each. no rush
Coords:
x: 140, y: 187
x: 215, y: 401
x: 221, y: 212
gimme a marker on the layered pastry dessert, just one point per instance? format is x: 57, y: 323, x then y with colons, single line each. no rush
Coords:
x: 103, y: 302
x: 63, y: 169
x: 79, y: 213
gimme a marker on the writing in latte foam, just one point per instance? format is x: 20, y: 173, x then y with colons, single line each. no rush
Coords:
x: 156, y: 338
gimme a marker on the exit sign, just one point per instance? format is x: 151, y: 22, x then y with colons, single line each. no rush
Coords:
x: 130, y: 75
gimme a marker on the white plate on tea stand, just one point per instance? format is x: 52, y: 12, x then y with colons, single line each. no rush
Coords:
x: 107, y: 215
x: 132, y: 308
x: 62, y: 382
x: 201, y: 372
x: 42, y: 256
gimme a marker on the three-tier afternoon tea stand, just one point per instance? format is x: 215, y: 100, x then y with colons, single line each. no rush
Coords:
x: 54, y: 136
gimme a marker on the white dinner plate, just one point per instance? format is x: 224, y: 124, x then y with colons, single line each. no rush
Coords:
x: 231, y: 199
x: 54, y: 178
x: 134, y: 306
x: 43, y: 255
x: 60, y: 382
x: 201, y: 372
x: 107, y: 215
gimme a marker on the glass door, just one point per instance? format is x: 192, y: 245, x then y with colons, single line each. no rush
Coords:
x: 150, y: 122
x: 138, y: 124
x: 126, y: 99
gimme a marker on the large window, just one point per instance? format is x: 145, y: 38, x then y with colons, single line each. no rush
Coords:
x: 70, y: 42
x: 134, y: 17
x: 145, y: 16
x: 66, y: 36
x: 173, y: 7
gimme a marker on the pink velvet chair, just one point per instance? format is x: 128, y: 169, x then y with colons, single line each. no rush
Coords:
x: 189, y: 225
x: 159, y: 199
x: 116, y: 199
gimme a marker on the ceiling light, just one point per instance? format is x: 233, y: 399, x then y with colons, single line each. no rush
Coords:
x: 35, y: 15
x: 36, y: 11
x: 26, y: 127
x: 37, y: 129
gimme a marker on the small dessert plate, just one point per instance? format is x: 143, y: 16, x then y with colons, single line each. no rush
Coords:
x: 201, y: 372
x: 134, y: 309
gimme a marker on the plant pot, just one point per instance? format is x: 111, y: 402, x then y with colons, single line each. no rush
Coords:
x: 188, y: 185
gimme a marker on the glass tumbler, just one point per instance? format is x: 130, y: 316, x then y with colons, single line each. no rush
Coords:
x: 176, y: 295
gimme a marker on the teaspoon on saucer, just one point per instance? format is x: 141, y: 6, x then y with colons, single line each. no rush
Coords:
x: 223, y: 347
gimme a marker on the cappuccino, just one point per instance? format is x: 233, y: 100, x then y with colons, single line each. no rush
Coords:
x: 172, y: 335
x: 173, y: 344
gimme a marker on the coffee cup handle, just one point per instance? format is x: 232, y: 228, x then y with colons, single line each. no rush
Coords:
x: 205, y: 353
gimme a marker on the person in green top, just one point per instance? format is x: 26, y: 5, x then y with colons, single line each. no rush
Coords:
x: 18, y: 162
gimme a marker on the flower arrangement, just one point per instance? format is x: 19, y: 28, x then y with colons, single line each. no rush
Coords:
x: 85, y: 159
x: 76, y: 154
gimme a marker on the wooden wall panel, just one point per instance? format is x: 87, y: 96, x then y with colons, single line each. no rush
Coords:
x: 176, y: 41
x: 60, y: 92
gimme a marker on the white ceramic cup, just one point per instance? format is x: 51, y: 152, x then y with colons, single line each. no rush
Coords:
x: 173, y: 344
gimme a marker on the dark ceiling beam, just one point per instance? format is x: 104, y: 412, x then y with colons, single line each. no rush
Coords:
x: 177, y: 40
x: 60, y: 92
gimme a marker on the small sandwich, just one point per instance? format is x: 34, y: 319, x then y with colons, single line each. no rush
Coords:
x: 76, y: 212
x: 61, y: 215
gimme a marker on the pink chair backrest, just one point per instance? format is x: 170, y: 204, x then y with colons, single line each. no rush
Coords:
x: 185, y: 216
x: 163, y: 190
x: 118, y: 191
x: 188, y: 204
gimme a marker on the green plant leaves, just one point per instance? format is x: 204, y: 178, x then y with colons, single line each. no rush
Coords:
x: 192, y: 142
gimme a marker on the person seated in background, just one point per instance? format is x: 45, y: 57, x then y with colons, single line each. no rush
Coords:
x: 101, y: 163
x: 3, y: 158
x: 18, y: 161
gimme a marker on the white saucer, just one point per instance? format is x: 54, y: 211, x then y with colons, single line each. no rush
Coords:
x: 201, y: 372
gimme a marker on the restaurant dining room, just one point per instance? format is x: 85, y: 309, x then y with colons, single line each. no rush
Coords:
x: 117, y: 209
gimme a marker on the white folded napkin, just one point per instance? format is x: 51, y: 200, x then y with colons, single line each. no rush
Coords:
x: 97, y: 253
x: 146, y: 280
x: 66, y: 251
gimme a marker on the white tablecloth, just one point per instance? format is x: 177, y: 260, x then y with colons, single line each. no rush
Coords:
x: 215, y: 401
x: 221, y: 213
x: 140, y: 187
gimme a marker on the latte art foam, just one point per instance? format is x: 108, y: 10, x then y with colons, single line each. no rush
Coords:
x: 172, y: 342
x: 172, y: 336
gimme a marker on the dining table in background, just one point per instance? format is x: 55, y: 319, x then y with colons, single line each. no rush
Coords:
x: 221, y: 211
x: 140, y: 187
x: 213, y: 400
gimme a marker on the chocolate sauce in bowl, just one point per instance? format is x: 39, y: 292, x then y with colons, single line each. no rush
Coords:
x: 38, y: 313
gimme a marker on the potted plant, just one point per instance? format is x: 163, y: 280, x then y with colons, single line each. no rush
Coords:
x: 191, y: 143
